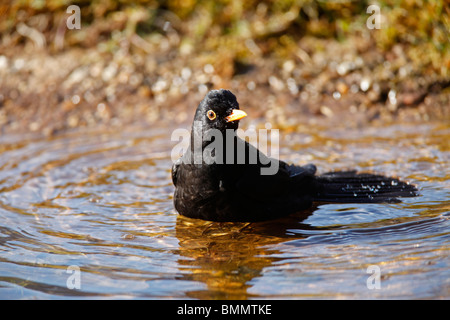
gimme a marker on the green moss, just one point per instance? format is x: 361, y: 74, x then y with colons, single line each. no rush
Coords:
x: 276, y: 26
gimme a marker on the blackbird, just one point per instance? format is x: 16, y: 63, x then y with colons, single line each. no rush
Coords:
x: 221, y: 177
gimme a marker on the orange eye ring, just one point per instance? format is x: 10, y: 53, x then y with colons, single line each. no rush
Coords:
x: 211, y: 115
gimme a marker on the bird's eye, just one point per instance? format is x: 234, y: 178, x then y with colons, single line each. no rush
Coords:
x: 211, y: 115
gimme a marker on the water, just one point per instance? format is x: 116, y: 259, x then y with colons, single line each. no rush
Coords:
x: 101, y: 202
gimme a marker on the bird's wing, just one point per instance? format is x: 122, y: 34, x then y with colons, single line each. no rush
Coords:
x: 259, y: 186
x: 271, y: 178
x: 175, y: 167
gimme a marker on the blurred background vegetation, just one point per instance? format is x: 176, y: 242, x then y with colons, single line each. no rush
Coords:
x: 226, y: 25
x: 233, y: 38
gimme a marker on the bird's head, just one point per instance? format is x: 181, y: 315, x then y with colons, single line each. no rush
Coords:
x: 219, y: 110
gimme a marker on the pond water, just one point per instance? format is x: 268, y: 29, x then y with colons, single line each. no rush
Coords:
x: 89, y: 214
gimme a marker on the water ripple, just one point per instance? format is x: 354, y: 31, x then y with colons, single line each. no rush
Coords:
x: 102, y: 201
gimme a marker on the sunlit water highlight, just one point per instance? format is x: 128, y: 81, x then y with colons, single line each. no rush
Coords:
x: 102, y: 201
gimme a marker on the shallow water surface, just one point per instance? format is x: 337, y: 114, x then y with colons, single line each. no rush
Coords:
x: 89, y: 214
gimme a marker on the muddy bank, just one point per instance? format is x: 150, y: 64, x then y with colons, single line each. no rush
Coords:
x: 106, y: 75
x: 47, y: 93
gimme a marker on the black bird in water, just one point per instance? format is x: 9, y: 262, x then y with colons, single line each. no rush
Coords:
x: 221, y: 177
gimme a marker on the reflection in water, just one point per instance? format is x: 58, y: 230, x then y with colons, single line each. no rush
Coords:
x: 226, y: 256
x: 102, y: 201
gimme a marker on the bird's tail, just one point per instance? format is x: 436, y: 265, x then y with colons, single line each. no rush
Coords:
x: 352, y: 187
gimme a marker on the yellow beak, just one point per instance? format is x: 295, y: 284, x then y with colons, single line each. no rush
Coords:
x: 236, y: 115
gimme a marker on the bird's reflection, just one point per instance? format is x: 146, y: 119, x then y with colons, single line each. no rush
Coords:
x: 226, y: 256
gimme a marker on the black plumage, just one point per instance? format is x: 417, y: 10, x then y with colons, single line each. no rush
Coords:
x: 220, y: 176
